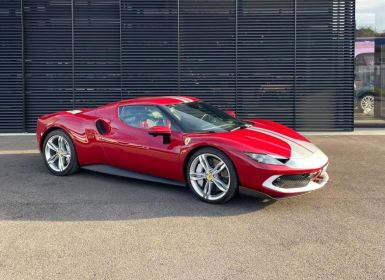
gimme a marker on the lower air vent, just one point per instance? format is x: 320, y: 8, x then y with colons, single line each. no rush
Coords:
x: 292, y: 181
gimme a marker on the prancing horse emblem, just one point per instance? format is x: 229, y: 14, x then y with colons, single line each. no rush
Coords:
x: 187, y: 140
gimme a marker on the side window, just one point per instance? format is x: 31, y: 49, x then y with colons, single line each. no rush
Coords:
x: 143, y: 116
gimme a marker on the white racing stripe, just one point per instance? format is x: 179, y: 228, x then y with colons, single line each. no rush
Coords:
x: 299, y: 149
x: 185, y: 99
x: 303, y: 154
x: 181, y: 98
x: 74, y: 112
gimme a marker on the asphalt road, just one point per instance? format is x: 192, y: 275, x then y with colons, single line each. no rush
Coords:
x: 93, y: 226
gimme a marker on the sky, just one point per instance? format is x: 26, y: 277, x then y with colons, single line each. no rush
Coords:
x: 371, y: 13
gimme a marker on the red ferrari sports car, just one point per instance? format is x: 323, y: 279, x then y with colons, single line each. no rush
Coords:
x: 179, y: 140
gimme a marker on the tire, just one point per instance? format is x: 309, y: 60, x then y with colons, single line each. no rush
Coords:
x: 366, y: 103
x: 62, y: 161
x: 217, y: 185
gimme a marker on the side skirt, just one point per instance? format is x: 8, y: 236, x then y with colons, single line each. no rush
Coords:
x: 107, y: 169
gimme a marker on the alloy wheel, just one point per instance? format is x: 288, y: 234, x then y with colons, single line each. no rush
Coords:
x: 209, y: 176
x: 367, y: 104
x: 58, y: 153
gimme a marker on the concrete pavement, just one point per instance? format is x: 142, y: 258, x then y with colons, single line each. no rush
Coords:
x: 94, y: 226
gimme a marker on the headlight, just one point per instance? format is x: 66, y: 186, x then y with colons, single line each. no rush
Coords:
x: 268, y: 159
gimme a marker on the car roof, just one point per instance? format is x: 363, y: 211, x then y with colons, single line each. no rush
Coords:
x: 158, y: 100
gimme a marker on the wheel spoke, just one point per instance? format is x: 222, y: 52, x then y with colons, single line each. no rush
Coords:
x: 52, y: 146
x: 67, y: 149
x: 219, y: 167
x: 52, y: 159
x: 207, y: 189
x: 205, y: 164
x: 61, y: 163
x: 197, y: 176
x: 220, y: 185
x: 61, y: 143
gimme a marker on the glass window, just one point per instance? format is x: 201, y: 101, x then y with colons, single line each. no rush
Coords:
x: 202, y: 117
x: 369, y: 89
x: 143, y: 116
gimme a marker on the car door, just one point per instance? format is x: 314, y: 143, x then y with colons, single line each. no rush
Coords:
x: 130, y: 146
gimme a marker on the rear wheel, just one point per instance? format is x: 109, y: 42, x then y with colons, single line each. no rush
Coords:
x: 59, y: 153
x: 211, y: 176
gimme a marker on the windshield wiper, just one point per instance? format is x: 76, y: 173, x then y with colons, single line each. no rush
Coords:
x: 205, y: 131
x: 241, y: 127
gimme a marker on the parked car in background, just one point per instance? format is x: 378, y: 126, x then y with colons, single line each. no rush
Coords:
x: 364, y: 92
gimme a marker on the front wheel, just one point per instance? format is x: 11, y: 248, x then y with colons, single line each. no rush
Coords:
x: 211, y: 176
x: 59, y: 153
x: 367, y: 104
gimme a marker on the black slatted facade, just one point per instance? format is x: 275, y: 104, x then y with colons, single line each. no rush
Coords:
x: 266, y: 54
x: 149, y: 53
x: 285, y: 60
x: 11, y: 68
x: 96, y: 52
x: 324, y: 65
x: 48, y: 57
x: 207, y: 50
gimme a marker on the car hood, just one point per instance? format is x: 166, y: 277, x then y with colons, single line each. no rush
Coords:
x: 270, y: 138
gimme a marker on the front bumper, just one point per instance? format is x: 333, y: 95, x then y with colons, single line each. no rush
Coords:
x: 317, y: 181
x: 262, y: 177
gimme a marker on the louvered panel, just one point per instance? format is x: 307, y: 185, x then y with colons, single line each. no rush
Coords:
x: 11, y: 82
x: 97, y: 52
x: 325, y: 42
x: 208, y: 50
x: 266, y: 48
x: 286, y: 60
x: 149, y: 42
x: 48, y: 57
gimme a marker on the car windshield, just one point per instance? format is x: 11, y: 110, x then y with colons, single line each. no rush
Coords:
x: 199, y: 116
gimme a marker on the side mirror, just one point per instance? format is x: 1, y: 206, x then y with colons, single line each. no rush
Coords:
x: 162, y: 131
x: 103, y: 127
x: 231, y: 113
